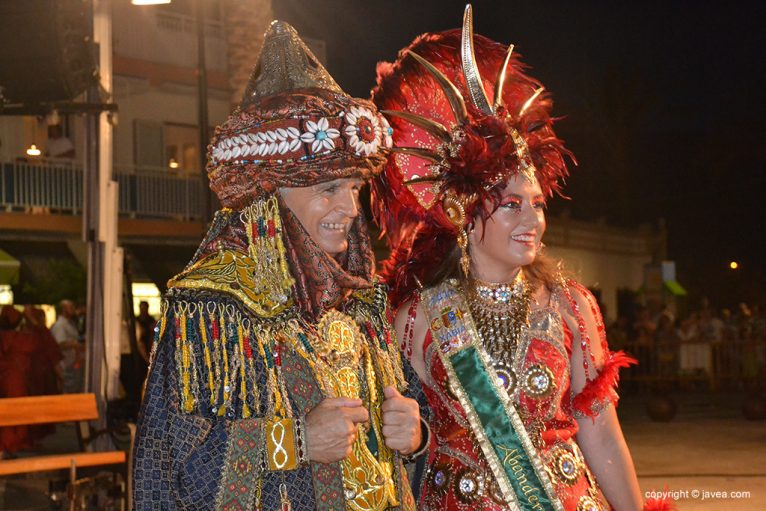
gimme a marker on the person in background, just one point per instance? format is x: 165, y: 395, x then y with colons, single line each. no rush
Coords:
x: 59, y: 145
x: 666, y: 341
x: 45, y: 376
x: 46, y: 371
x: 145, y: 324
x: 16, y: 354
x: 65, y: 332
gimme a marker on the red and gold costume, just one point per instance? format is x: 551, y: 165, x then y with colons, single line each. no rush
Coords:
x: 538, y: 382
x: 498, y: 371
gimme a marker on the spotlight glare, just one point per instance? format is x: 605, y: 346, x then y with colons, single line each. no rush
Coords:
x: 149, y: 2
x: 734, y: 265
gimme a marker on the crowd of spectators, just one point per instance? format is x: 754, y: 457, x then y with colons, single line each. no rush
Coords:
x: 719, y: 347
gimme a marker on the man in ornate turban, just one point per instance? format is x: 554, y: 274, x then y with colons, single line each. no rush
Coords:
x: 275, y: 382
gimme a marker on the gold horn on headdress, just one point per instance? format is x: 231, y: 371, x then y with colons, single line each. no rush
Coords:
x: 453, y: 94
x: 531, y: 100
x: 435, y: 128
x: 498, y: 101
x: 470, y: 69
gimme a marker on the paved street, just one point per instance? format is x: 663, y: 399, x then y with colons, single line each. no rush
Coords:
x: 706, y: 450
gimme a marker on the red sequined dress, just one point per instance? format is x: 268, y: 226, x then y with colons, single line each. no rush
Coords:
x: 458, y: 476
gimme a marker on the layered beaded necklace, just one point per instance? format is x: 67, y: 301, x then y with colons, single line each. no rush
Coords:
x: 500, y: 313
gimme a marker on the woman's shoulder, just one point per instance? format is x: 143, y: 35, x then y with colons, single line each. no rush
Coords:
x: 573, y: 297
x: 578, y: 307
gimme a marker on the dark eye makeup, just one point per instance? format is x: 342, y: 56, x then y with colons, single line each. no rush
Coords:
x: 514, y: 202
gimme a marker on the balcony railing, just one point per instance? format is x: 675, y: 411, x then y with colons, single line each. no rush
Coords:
x: 57, y: 186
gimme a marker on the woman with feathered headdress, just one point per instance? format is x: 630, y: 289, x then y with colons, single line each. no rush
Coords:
x: 518, y: 377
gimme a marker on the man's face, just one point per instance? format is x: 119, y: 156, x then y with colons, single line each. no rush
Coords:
x: 68, y: 309
x: 326, y: 211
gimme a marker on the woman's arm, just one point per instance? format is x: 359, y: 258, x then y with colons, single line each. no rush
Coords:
x: 600, y: 438
x: 412, y: 333
x: 607, y: 455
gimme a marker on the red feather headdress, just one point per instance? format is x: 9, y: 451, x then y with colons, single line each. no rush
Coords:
x: 451, y: 157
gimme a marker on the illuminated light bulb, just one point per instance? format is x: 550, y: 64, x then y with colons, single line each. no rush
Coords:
x: 149, y: 2
x: 33, y: 151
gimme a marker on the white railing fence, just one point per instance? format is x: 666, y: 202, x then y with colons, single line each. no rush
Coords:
x: 57, y: 186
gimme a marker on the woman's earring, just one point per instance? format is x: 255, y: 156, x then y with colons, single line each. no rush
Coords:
x: 465, y: 259
x: 455, y: 211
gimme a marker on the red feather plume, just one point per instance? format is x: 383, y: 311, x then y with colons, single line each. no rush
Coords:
x: 602, y: 386
x: 419, y: 236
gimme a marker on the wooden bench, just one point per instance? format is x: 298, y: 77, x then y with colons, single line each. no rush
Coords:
x: 25, y: 411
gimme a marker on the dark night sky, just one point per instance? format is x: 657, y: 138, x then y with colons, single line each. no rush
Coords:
x: 664, y: 106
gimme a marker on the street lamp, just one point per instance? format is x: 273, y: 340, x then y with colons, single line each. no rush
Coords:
x: 734, y: 265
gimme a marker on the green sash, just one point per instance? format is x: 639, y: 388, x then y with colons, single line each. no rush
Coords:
x: 517, y: 468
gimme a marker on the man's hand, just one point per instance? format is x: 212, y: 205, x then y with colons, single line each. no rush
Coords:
x: 331, y: 428
x: 401, y: 421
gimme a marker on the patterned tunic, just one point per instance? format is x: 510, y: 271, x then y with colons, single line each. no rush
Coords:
x: 221, y: 381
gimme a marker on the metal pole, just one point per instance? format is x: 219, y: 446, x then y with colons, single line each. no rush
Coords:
x: 104, y: 313
x: 94, y: 333
x: 202, y: 116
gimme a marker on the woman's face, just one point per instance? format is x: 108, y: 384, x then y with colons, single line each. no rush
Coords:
x: 512, y: 234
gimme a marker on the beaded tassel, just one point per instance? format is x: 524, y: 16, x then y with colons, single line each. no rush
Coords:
x: 225, y: 353
x: 187, y: 399
x: 264, y: 231
x: 250, y: 366
x: 409, y: 330
x: 208, y: 362
x: 216, y: 332
x: 271, y: 383
x: 194, y: 370
x: 163, y: 321
x: 243, y: 387
x: 284, y: 499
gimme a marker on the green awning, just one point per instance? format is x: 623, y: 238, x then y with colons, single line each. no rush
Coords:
x: 675, y: 288
x: 9, y: 268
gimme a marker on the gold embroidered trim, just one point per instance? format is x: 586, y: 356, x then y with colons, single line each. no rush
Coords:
x: 233, y: 273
